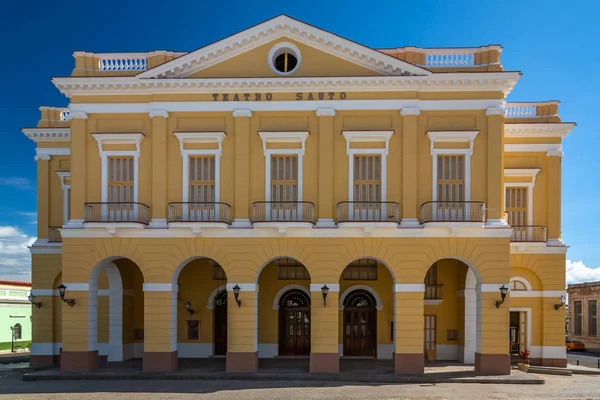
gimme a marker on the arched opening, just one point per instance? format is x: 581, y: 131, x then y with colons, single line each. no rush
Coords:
x: 450, y: 312
x: 284, y: 293
x: 366, y: 310
x: 116, y: 310
x: 201, y: 308
x: 17, y: 332
x: 294, y: 323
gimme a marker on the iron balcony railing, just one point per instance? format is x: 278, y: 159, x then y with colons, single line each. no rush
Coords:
x: 200, y: 212
x: 434, y: 292
x: 117, y: 212
x: 283, y: 211
x: 453, y: 211
x: 367, y: 211
x: 54, y: 234
x: 528, y: 233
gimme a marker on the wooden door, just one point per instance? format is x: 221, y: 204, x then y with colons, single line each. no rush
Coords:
x: 120, y: 190
x: 284, y: 188
x: 367, y: 188
x: 202, y: 192
x: 360, y: 331
x: 450, y: 187
x: 516, y: 208
x: 220, y: 327
x: 294, y: 337
x: 430, y: 335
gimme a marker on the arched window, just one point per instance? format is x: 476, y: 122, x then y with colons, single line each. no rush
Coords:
x: 295, y: 298
x: 17, y: 331
x: 360, y: 298
x: 517, y: 285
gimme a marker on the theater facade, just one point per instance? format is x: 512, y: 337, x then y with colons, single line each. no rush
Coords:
x: 288, y: 192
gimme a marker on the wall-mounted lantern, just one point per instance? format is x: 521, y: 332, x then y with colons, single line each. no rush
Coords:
x: 31, y: 299
x: 188, y: 306
x: 61, y: 290
x: 503, y: 290
x: 324, y: 292
x: 559, y: 305
x: 236, y: 293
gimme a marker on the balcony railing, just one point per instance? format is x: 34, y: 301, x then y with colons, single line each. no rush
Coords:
x: 116, y: 212
x: 200, y: 212
x: 122, y: 62
x: 531, y: 233
x: 450, y: 57
x: 54, y: 234
x: 367, y: 211
x: 283, y: 211
x: 531, y: 109
x: 434, y: 292
x: 453, y: 211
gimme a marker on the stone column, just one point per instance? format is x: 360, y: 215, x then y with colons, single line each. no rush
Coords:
x: 159, y: 169
x: 410, y: 207
x: 160, y: 327
x: 42, y: 342
x: 325, y: 205
x: 554, y: 197
x: 495, y: 166
x: 554, y: 353
x: 78, y: 169
x: 43, y: 194
x: 241, y: 207
x: 408, y: 328
x: 242, y: 328
x: 492, y: 342
x: 324, y: 326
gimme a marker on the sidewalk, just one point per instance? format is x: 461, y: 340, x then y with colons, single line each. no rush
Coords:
x: 7, y: 357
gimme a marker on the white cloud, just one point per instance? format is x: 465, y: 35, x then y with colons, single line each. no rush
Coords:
x: 15, y: 259
x: 578, y: 272
x: 17, y: 182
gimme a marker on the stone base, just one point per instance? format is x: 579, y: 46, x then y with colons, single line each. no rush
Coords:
x: 409, y: 363
x: 324, y: 363
x: 492, y: 364
x: 42, y: 361
x: 549, y: 362
x: 241, y: 362
x: 160, y: 361
x: 102, y: 359
x: 77, y: 361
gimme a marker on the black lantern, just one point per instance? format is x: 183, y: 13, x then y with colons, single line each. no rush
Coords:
x: 324, y: 292
x: 61, y: 290
x: 503, y: 290
x: 236, y: 293
x: 188, y: 306
x: 559, y: 305
x: 31, y: 299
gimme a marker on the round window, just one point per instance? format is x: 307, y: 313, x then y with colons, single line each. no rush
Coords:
x: 284, y: 58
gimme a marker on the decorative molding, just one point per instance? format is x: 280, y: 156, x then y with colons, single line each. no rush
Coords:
x: 283, y: 137
x: 242, y: 113
x: 522, y: 280
x: 43, y: 157
x: 48, y: 134
x: 542, y: 130
x: 367, y: 137
x: 530, y: 173
x: 77, y: 115
x: 273, y: 29
x: 495, y: 111
x: 555, y: 149
x: 200, y: 137
x: 325, y: 112
x: 555, y: 153
x: 366, y: 288
x: 537, y: 248
x: 280, y: 48
x: 211, y: 298
x: 158, y: 113
x: 410, y: 111
x: 47, y: 151
x: 451, y: 137
x: 448, y: 82
x: 118, y: 138
x: 285, y: 289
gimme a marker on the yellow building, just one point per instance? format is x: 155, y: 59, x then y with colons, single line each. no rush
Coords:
x: 379, y: 199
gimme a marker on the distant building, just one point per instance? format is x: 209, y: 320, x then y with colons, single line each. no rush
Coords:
x: 15, y: 315
x: 583, y: 313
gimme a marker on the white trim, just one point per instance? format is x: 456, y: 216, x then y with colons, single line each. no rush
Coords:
x: 285, y: 289
x: 409, y: 288
x: 64, y: 175
x: 536, y: 248
x: 241, y: 113
x: 446, y: 352
x: 76, y: 287
x: 367, y: 136
x: 211, y: 297
x: 279, y: 49
x: 522, y: 280
x: 158, y: 113
x: 545, y: 130
x: 244, y: 287
x: 530, y: 173
x: 316, y: 287
x: 538, y: 293
x: 55, y: 151
x: 194, y: 350
x: 451, y: 137
x: 495, y: 111
x: 48, y: 134
x: 45, y: 349
x: 44, y: 292
x: 410, y: 111
x: 432, y: 302
x: 385, y: 351
x: 529, y: 186
x: 369, y: 289
x: 160, y: 287
x: 559, y: 352
x: 550, y: 149
x: 529, y: 323
x: 325, y: 112
x: 492, y: 287
x: 283, y: 137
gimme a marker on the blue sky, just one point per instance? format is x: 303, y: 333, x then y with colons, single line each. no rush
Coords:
x: 556, y: 47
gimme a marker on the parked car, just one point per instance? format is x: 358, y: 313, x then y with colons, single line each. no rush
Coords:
x: 574, y: 345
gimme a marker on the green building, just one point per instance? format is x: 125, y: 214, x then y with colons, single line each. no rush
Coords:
x: 15, y: 315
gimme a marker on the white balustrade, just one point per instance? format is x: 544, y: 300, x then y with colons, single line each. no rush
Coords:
x: 521, y: 110
x: 122, y: 62
x: 449, y: 57
x: 64, y: 114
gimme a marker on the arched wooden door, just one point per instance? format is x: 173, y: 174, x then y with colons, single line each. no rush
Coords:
x: 220, y: 323
x: 294, y: 323
x: 360, y: 324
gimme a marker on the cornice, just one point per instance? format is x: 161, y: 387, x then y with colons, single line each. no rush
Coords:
x: 158, y: 113
x: 273, y: 29
x: 447, y: 82
x: 547, y: 130
x: 410, y: 111
x: 48, y: 134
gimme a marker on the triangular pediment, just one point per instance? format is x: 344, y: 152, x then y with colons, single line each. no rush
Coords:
x: 335, y: 55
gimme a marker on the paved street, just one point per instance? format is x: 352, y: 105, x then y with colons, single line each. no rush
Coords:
x: 556, y: 387
x: 585, y: 359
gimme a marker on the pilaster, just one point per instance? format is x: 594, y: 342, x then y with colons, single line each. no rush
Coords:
x: 241, y: 206
x: 324, y: 325
x: 78, y: 172
x: 160, y: 327
x: 159, y: 170
x: 242, y: 328
x: 43, y: 195
x: 554, y: 163
x: 495, y: 167
x: 409, y: 167
x: 408, y: 328
x: 325, y: 205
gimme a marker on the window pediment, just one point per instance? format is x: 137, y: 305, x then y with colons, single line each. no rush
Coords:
x: 367, y: 137
x: 451, y: 137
